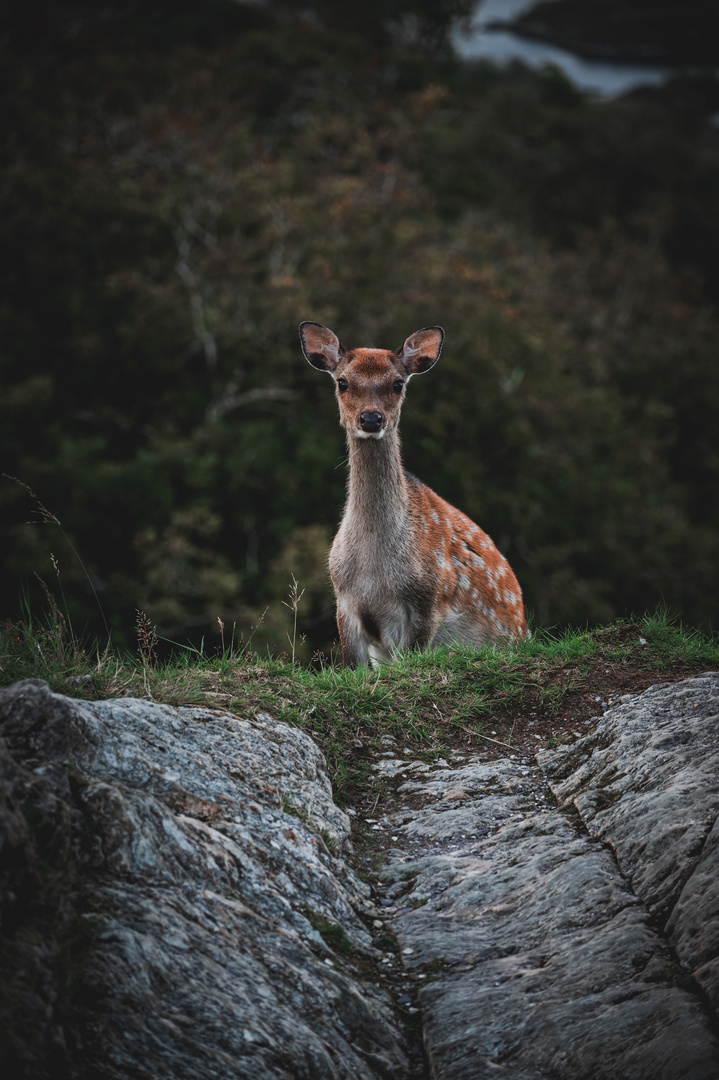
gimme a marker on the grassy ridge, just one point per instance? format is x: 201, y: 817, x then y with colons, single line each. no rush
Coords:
x: 424, y: 701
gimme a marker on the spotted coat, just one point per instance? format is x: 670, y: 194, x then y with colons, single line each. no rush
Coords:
x: 476, y: 597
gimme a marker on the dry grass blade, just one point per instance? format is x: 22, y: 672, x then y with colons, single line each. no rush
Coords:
x: 46, y: 517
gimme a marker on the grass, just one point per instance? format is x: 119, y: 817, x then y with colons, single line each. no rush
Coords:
x: 332, y: 933
x: 423, y: 702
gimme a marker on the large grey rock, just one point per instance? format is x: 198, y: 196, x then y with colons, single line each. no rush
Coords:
x: 542, y: 958
x: 647, y: 782
x: 174, y: 902
x: 171, y: 905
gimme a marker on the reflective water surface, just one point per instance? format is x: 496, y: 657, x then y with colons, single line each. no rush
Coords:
x: 593, y: 76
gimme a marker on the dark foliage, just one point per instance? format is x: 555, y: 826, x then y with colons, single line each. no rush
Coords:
x: 182, y: 184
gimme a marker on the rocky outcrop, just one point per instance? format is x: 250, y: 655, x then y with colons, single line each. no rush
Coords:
x: 174, y: 903
x: 578, y: 942
x: 646, y: 782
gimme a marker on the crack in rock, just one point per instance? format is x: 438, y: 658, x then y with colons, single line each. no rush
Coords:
x: 658, y: 755
x: 543, y: 958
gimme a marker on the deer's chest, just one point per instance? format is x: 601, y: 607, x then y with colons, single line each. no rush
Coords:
x: 372, y: 563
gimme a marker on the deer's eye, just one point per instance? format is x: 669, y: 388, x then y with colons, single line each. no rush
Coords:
x: 397, y: 386
x: 342, y: 384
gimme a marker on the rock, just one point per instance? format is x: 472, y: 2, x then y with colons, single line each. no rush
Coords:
x: 491, y: 793
x: 543, y: 957
x: 647, y: 782
x: 175, y: 901
x: 171, y: 903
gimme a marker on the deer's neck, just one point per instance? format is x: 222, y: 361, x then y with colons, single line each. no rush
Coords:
x: 378, y: 498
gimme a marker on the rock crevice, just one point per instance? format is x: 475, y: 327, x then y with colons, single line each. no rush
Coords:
x: 660, y: 754
x: 574, y: 949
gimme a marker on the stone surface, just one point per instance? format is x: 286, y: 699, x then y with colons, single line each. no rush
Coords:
x: 469, y: 801
x: 647, y: 782
x: 171, y: 904
x: 175, y: 901
x: 542, y: 957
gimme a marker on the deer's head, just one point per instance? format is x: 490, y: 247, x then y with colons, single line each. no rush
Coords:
x: 370, y: 383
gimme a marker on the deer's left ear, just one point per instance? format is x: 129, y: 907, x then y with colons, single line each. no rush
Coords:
x: 421, y: 350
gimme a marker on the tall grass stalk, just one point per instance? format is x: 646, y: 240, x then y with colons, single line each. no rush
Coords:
x: 295, y: 596
x: 46, y: 517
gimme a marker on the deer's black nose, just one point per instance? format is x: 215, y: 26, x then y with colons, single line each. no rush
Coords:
x: 371, y: 420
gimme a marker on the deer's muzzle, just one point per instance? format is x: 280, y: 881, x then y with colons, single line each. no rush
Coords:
x: 371, y: 421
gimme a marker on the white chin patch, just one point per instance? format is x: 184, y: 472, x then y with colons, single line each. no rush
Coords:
x: 360, y: 434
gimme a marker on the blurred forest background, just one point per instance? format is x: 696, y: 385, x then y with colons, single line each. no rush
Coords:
x: 183, y: 181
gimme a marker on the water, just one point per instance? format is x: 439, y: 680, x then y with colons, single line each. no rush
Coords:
x: 593, y: 76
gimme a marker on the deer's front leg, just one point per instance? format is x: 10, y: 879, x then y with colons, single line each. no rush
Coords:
x: 419, y: 616
x: 353, y: 639
x: 418, y: 639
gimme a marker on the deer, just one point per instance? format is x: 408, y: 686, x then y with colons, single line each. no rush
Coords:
x: 409, y: 570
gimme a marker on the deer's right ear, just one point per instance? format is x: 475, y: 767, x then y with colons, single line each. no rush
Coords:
x: 321, y: 347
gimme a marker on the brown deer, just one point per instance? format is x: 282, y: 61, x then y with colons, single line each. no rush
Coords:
x: 407, y: 568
